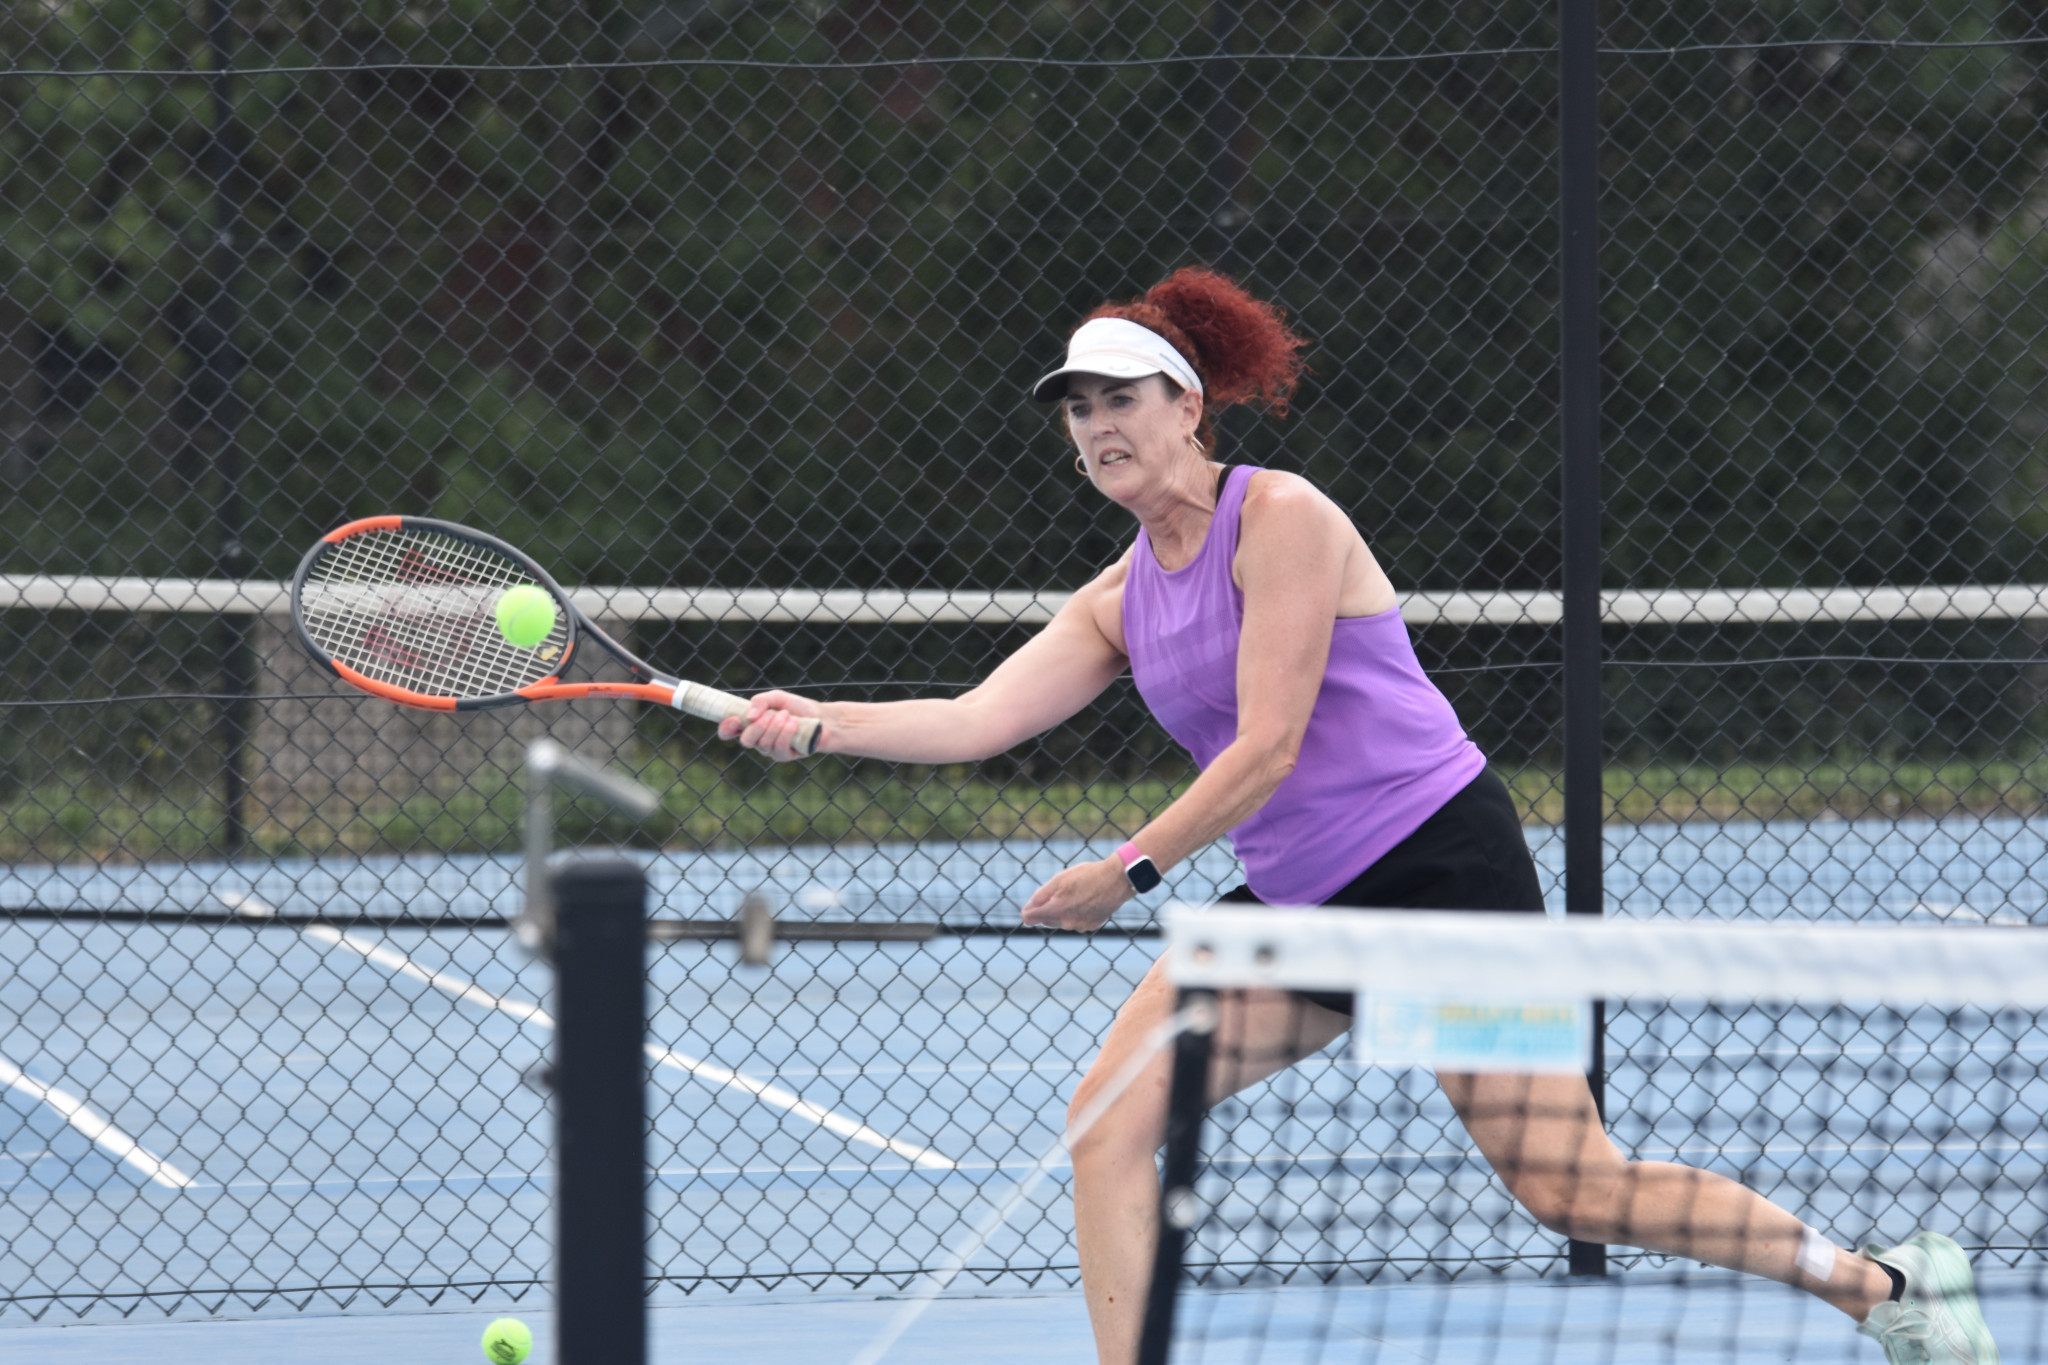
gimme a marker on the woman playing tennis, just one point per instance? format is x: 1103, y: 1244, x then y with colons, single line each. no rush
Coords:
x: 1264, y: 636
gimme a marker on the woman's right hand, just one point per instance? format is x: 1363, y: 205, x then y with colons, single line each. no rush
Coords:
x: 770, y: 724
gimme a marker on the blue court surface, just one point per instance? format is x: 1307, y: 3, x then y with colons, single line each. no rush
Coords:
x: 196, y: 1118
x: 813, y: 1330
x: 799, y: 1331
x: 1635, y: 1318
x: 1672, y: 1319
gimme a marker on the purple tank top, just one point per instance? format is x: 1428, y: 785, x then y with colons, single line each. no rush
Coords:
x: 1383, y: 752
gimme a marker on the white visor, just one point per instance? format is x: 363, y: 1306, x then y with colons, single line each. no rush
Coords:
x: 1117, y: 349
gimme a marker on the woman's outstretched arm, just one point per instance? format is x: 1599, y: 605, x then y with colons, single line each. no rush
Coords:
x: 1056, y: 673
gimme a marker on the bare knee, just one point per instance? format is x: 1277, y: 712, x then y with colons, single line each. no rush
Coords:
x: 1543, y: 1137
x: 1576, y: 1199
x: 1129, y: 1128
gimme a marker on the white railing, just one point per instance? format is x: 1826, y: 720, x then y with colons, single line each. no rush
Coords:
x: 887, y: 606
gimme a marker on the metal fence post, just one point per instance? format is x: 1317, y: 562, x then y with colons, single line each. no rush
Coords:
x: 1226, y: 171
x: 1222, y: 120
x: 216, y: 409
x: 1579, y: 420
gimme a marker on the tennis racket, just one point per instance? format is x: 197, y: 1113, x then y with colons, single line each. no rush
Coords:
x: 406, y: 609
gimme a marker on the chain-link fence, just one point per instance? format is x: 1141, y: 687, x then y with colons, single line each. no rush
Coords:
x: 711, y: 297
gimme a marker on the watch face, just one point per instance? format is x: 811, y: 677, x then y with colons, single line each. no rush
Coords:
x: 1143, y: 875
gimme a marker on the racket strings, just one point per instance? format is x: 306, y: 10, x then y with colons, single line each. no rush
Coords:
x: 418, y: 610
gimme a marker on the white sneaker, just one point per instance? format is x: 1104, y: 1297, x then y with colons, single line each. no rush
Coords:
x: 1936, y: 1321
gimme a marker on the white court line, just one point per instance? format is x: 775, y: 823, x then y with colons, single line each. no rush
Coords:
x: 98, y: 1131
x: 765, y: 1091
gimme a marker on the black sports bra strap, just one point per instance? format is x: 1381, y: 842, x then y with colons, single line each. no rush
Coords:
x: 1222, y: 479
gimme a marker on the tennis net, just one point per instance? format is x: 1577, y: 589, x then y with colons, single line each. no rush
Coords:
x: 1288, y: 1233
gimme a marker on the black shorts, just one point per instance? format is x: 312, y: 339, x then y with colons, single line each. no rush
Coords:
x: 1470, y: 855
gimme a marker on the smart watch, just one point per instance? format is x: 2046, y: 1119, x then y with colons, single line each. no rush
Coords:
x: 1138, y: 868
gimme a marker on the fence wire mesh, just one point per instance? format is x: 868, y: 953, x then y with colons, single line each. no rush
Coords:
x: 713, y: 296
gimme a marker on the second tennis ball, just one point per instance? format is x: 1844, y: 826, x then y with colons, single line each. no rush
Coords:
x: 506, y: 1341
x: 526, y: 615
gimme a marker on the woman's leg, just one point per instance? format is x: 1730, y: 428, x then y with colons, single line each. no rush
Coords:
x: 1543, y: 1136
x: 1116, y: 1184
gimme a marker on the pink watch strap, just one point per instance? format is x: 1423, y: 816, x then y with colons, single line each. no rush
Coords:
x: 1129, y: 853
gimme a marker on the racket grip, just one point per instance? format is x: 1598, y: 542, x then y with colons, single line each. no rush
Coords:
x: 708, y: 703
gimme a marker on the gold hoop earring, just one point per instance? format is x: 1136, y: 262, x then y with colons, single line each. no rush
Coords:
x: 1080, y: 465
x: 1196, y: 442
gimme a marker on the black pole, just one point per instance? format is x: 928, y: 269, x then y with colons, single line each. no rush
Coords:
x: 600, y: 1113
x: 216, y: 400
x: 1178, y: 1211
x: 1579, y: 403
x: 1226, y: 168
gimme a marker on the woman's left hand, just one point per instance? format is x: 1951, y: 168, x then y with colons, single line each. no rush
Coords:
x: 1081, y: 898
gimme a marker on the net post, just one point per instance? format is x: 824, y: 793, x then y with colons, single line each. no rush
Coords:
x: 1185, y: 1105
x: 600, y: 1113
x: 1590, y: 1258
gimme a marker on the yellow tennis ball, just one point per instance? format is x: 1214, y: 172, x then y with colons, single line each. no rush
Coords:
x: 526, y: 615
x: 506, y: 1341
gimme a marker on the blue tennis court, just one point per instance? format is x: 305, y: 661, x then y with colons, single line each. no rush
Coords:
x: 268, y: 1119
x: 1681, y: 1319
x: 1017, y: 1327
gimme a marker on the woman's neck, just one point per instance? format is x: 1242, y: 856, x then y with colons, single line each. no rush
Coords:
x: 1178, y: 522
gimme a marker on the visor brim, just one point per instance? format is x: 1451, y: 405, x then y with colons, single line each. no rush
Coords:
x: 1054, y: 386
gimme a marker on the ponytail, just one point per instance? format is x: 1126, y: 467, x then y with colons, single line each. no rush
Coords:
x: 1241, y: 347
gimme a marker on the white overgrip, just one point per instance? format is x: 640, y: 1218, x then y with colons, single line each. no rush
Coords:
x: 711, y: 704
x: 707, y: 703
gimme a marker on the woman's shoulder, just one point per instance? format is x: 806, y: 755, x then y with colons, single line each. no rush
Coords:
x: 1289, y: 523
x: 1110, y: 582
x: 1287, y: 502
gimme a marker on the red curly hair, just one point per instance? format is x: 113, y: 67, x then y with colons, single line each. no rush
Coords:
x: 1241, y: 347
